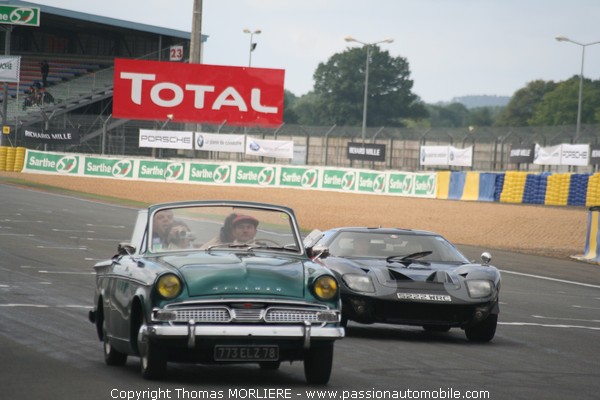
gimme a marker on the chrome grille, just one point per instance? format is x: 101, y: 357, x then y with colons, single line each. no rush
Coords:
x: 200, y: 315
x: 290, y: 315
x: 248, y: 315
x: 231, y: 313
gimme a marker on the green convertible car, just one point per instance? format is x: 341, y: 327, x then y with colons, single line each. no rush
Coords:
x: 217, y: 282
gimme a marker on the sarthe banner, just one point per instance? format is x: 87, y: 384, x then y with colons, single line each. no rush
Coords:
x: 270, y: 148
x: 54, y: 136
x: 219, y: 142
x: 9, y: 68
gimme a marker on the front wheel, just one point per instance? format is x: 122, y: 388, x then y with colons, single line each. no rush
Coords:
x: 153, y: 358
x: 317, y: 364
x: 483, y: 331
x: 111, y: 356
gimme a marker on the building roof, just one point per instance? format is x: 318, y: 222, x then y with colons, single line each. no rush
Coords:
x: 102, y: 20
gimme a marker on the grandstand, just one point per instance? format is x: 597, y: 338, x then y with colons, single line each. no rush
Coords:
x: 80, y: 49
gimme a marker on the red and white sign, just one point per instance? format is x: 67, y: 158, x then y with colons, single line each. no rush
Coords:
x: 151, y: 90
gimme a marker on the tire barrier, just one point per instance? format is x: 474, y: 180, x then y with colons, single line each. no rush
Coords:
x: 514, y: 187
x: 591, y: 241
x: 468, y: 186
x: 12, y: 158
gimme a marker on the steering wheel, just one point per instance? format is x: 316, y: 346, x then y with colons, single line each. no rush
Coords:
x: 262, y: 242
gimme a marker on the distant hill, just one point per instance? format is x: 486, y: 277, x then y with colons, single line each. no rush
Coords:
x: 482, y: 101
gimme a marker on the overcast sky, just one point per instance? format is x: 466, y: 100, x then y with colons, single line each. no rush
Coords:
x: 454, y: 47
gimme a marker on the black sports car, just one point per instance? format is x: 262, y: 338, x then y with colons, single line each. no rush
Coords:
x: 410, y: 277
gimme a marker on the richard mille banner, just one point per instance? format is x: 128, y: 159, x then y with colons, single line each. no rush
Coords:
x: 55, y: 136
x: 366, y: 151
x: 522, y: 154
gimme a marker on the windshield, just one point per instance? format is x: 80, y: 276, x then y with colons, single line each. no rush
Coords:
x: 384, y: 245
x: 222, y: 227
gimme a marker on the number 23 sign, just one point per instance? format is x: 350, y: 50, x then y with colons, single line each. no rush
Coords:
x: 176, y: 53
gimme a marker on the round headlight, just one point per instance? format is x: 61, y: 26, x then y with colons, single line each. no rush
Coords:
x: 325, y: 287
x: 168, y: 286
x: 480, y: 288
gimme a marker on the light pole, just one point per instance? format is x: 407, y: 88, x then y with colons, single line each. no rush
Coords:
x: 368, y: 46
x: 583, y: 46
x: 252, y: 45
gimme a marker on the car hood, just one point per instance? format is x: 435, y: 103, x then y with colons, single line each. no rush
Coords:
x: 387, y: 273
x: 210, y: 274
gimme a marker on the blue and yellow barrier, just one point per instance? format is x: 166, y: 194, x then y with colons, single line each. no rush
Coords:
x: 467, y: 186
x: 591, y: 241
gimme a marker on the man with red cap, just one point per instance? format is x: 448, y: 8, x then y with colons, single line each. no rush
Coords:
x: 237, y: 228
x: 243, y: 228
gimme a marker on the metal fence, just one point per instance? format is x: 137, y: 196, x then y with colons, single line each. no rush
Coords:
x: 327, y: 146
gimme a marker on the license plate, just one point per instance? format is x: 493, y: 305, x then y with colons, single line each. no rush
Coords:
x: 246, y: 353
x: 424, y: 297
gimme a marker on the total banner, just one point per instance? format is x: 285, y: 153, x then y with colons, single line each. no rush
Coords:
x: 395, y: 183
x: 183, y: 92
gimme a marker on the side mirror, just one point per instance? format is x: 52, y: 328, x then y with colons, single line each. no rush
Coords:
x: 318, y: 251
x: 125, y: 249
x: 486, y: 258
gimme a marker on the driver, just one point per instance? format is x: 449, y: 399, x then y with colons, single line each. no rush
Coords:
x: 236, y: 229
x: 243, y: 228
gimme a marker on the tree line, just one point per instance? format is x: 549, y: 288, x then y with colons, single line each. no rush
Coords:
x: 337, y: 98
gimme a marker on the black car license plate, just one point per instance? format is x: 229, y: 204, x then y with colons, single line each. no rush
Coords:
x: 246, y: 353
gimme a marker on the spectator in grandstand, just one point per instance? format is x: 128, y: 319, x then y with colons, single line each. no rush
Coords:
x: 45, y: 97
x: 45, y: 69
x: 29, y: 97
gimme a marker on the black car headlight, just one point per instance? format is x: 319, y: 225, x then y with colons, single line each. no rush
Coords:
x: 360, y: 283
x: 168, y: 286
x: 325, y: 288
x: 480, y: 288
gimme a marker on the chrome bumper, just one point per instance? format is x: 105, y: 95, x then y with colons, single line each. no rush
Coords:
x: 192, y: 332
